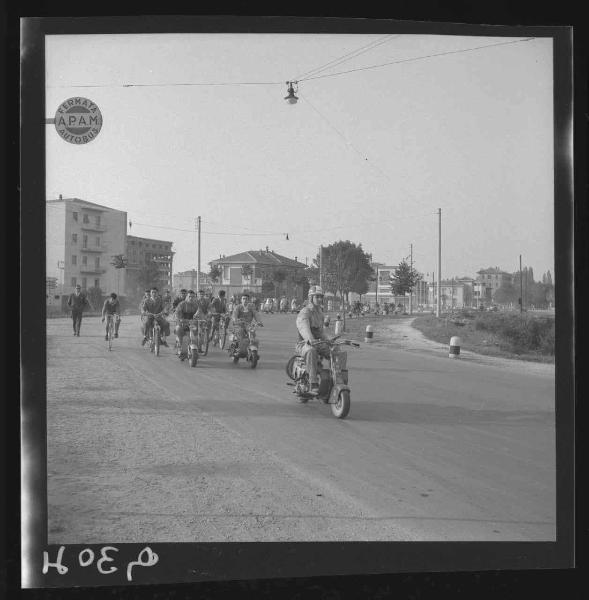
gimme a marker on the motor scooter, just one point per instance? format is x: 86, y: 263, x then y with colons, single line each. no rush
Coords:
x: 189, y: 348
x: 333, y: 381
x: 251, y: 353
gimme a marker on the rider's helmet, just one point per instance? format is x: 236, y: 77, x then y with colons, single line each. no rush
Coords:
x: 315, y: 290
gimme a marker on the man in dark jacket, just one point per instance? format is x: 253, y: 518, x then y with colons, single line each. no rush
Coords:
x: 77, y: 303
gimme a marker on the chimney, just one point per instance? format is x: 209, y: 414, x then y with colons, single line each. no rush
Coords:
x: 60, y: 197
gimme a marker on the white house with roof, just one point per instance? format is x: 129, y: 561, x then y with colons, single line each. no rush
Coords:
x: 261, y: 272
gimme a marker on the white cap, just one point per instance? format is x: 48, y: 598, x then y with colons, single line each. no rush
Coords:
x: 315, y: 290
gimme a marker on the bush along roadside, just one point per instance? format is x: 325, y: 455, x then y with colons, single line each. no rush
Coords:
x: 512, y: 335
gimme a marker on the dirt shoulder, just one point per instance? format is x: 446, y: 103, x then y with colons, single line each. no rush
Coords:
x: 398, y: 332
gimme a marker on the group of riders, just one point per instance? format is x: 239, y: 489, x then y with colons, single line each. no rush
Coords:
x: 188, y: 305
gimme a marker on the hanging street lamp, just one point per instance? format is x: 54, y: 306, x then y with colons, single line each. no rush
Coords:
x: 292, y: 88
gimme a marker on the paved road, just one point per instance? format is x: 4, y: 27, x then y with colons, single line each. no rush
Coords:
x: 147, y: 449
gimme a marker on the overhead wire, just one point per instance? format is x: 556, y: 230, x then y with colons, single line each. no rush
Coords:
x: 416, y: 58
x: 353, y: 54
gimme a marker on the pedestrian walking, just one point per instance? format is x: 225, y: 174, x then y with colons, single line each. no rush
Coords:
x: 77, y: 303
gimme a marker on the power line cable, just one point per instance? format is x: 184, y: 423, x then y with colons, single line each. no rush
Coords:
x: 337, y: 61
x: 416, y: 58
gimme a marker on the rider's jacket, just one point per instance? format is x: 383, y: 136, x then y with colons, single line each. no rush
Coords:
x: 203, y: 306
x: 218, y: 305
x: 177, y: 301
x: 244, y: 313
x: 310, y: 324
x: 152, y: 306
x: 186, y: 309
x: 111, y: 308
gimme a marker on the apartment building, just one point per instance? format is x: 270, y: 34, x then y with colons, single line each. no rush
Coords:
x: 81, y: 238
x: 140, y: 252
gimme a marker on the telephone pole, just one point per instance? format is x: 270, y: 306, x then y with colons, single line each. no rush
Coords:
x: 411, y: 288
x: 438, y: 303
x: 321, y: 266
x: 197, y: 254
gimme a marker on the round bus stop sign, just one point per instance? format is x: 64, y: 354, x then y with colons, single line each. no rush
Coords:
x: 78, y: 120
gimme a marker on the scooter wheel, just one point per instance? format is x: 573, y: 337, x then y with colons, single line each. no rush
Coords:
x: 235, y: 359
x: 341, y: 408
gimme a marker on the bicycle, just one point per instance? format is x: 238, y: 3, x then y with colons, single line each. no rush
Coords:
x: 218, y: 335
x: 202, y: 335
x: 111, y: 328
x: 190, y: 327
x: 154, y: 339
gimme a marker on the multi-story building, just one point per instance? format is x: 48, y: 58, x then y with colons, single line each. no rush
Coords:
x: 262, y: 272
x: 187, y: 280
x: 81, y: 238
x: 380, y: 289
x: 140, y: 253
x: 489, y: 281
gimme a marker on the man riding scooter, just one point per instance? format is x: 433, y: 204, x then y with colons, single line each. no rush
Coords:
x: 185, y: 311
x: 310, y: 324
x: 243, y: 315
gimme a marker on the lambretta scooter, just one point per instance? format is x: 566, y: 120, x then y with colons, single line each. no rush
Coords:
x: 333, y: 381
x: 251, y: 353
x: 188, y: 349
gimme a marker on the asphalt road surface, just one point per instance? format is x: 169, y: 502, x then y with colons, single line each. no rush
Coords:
x: 144, y: 448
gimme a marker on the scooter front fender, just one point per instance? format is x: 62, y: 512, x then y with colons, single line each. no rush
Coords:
x: 335, y: 390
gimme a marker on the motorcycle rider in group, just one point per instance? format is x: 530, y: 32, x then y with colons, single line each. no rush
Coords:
x: 154, y: 305
x: 283, y: 304
x: 180, y: 298
x: 218, y: 309
x: 112, y: 306
x: 311, y: 328
x: 186, y: 309
x: 246, y: 313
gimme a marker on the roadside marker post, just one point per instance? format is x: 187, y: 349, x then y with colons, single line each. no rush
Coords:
x: 454, y: 347
x: 339, y: 325
x: 369, y: 335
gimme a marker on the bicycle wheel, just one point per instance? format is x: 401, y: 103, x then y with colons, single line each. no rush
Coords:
x: 156, y: 341
x: 206, y: 341
x: 222, y: 338
x: 110, y: 334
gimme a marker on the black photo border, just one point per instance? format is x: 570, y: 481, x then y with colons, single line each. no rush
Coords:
x: 189, y: 563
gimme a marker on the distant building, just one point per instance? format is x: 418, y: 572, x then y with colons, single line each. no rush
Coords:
x: 81, y: 237
x: 489, y: 281
x: 187, y: 280
x: 139, y: 253
x: 379, y: 290
x: 263, y: 279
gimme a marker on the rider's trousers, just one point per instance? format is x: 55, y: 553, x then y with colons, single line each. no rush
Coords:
x: 311, y: 355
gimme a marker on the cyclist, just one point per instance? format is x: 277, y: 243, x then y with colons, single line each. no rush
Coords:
x: 243, y: 315
x: 311, y: 329
x: 154, y: 305
x: 186, y: 310
x: 112, y: 308
x: 218, y: 309
x: 180, y: 298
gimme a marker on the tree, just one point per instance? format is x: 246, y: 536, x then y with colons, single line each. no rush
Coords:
x: 506, y: 293
x: 149, y: 275
x: 215, y: 273
x: 346, y: 268
x: 118, y: 261
x: 94, y: 295
x: 404, y: 279
x: 246, y: 271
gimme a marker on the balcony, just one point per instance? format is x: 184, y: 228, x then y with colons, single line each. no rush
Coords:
x: 90, y: 227
x: 93, y: 249
x: 91, y: 269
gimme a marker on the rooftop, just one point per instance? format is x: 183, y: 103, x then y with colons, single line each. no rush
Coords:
x: 259, y: 257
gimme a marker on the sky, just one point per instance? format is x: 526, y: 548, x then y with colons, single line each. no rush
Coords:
x: 387, y: 130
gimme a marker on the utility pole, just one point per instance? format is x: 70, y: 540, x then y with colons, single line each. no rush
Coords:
x: 321, y: 266
x: 411, y: 288
x: 521, y: 284
x: 197, y: 254
x: 376, y: 299
x: 439, y: 261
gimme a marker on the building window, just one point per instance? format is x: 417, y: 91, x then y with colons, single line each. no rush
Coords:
x: 74, y: 238
x: 97, y: 283
x: 84, y: 260
x: 74, y: 259
x: 75, y: 216
x: 84, y: 282
x: 98, y: 221
x: 85, y: 218
x: 97, y: 262
x: 97, y: 241
x: 74, y: 280
x: 85, y: 241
